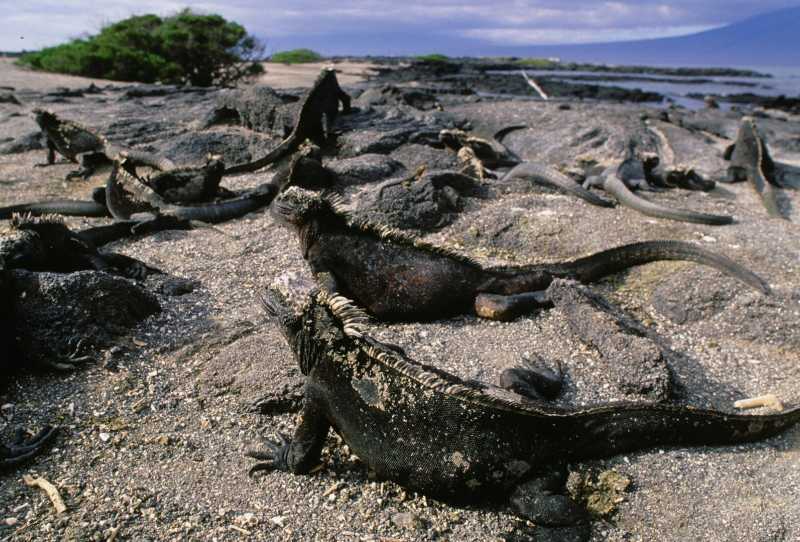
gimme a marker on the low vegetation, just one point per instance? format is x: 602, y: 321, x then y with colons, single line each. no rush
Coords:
x: 434, y: 57
x: 185, y: 48
x: 296, y: 56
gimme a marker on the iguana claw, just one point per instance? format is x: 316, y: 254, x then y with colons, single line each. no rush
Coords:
x: 273, y: 456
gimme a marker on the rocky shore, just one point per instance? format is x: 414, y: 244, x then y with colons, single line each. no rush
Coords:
x: 153, y: 431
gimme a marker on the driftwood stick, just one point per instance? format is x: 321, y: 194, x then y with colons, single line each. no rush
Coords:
x: 534, y: 85
x: 49, y: 489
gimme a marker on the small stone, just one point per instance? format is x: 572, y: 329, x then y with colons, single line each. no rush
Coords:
x: 10, y: 521
x: 407, y: 520
x: 280, y: 521
x: 163, y: 440
x: 105, y: 437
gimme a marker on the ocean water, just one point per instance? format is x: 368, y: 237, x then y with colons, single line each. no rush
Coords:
x: 783, y: 81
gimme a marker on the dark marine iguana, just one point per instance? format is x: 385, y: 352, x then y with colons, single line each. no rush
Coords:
x: 554, y: 179
x: 631, y: 172
x: 461, y: 441
x: 397, y: 277
x: 750, y: 161
x: 20, y: 449
x: 79, y: 144
x: 322, y: 100
x: 46, y: 244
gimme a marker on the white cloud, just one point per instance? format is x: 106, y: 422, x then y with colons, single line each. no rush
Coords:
x: 37, y: 23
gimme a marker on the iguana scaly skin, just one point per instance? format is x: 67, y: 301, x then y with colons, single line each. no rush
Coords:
x: 461, y: 441
x: 750, y: 160
x: 322, y: 100
x: 396, y: 277
x: 46, y: 244
x: 79, y: 144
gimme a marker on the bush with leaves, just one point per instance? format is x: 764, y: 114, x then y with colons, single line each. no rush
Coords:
x: 296, y: 56
x: 185, y: 48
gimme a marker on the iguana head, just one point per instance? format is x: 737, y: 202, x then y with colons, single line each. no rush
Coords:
x: 44, y: 118
x: 297, y: 206
x: 309, y: 317
x: 25, y: 247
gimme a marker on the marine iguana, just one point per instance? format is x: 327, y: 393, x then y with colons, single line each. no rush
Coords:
x: 461, y: 441
x: 20, y: 449
x: 79, y: 144
x: 631, y: 172
x: 322, y: 100
x: 397, y: 277
x: 46, y: 244
x: 551, y: 178
x: 183, y: 184
x: 750, y: 160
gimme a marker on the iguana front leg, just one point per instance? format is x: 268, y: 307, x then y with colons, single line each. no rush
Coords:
x: 301, y: 453
x: 51, y: 156
x: 22, y: 449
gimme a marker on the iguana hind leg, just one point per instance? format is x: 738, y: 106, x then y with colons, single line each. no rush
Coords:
x: 507, y: 307
x: 544, y: 501
x: 22, y: 449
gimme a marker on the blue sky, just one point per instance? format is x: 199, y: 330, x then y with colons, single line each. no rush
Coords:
x: 391, y: 26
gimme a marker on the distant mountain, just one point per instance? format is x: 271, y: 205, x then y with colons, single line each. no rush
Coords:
x: 770, y: 39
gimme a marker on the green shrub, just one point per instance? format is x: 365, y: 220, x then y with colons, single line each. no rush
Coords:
x: 201, y: 50
x: 536, y: 63
x: 296, y: 56
x: 434, y: 57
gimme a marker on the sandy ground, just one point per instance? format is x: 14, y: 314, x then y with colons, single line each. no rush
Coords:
x: 302, y: 75
x: 277, y: 75
x: 154, y: 433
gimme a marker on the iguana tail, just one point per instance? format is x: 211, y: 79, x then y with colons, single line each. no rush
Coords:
x: 550, y: 178
x: 286, y: 147
x: 614, y: 186
x: 607, y: 262
x: 58, y: 207
x: 610, y: 430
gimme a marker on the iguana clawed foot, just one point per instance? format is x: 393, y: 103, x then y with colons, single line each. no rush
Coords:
x: 544, y: 501
x: 534, y: 381
x: 274, y: 456
x: 22, y: 448
x: 508, y: 307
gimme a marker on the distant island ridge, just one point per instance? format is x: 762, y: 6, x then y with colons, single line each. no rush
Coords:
x: 771, y: 39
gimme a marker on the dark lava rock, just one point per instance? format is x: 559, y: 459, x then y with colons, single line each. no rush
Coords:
x: 393, y: 95
x: 28, y: 142
x: 150, y: 91
x: 685, y: 298
x: 53, y: 310
x: 631, y: 355
x: 235, y: 148
x: 414, y: 155
x: 174, y: 286
x: 137, y: 131
x: 365, y: 168
x: 9, y: 98
x: 259, y: 108
x: 429, y: 203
